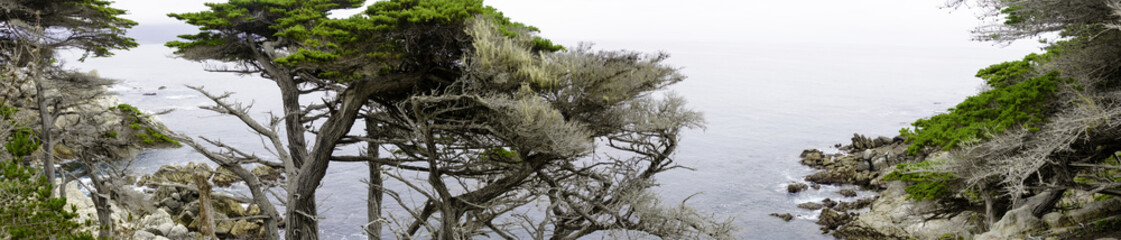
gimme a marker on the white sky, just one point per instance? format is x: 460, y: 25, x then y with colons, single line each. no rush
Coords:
x: 893, y: 22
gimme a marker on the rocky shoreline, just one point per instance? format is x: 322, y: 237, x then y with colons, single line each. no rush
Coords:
x: 163, y: 205
x: 891, y: 215
x: 166, y: 205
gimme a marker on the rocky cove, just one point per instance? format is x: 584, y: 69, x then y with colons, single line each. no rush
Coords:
x: 167, y: 204
x: 170, y: 204
x: 892, y: 214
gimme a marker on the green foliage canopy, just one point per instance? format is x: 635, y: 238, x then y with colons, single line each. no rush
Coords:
x: 224, y: 29
x: 1016, y: 100
x: 92, y: 26
x: 388, y: 37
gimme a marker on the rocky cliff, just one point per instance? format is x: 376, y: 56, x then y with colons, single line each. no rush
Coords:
x: 895, y: 215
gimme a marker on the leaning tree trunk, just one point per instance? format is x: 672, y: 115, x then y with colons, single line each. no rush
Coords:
x: 293, y: 125
x: 101, y: 203
x: 990, y: 213
x: 373, y: 203
x: 302, y: 216
x: 46, y: 123
x: 1048, y: 203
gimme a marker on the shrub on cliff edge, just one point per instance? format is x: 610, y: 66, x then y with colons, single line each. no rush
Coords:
x: 1017, y: 98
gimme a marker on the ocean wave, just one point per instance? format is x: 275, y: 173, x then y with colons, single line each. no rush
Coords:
x: 183, y: 96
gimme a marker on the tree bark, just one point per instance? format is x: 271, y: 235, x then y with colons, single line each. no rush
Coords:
x: 990, y: 213
x: 302, y: 220
x: 448, y: 212
x: 1048, y: 203
x: 46, y: 123
x: 101, y: 203
x: 290, y: 100
x: 206, y: 216
x: 374, y: 198
x: 293, y: 125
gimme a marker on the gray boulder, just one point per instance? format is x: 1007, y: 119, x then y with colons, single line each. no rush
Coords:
x: 1013, y: 225
x: 1055, y: 220
x: 810, y: 206
x: 178, y: 232
x: 143, y: 235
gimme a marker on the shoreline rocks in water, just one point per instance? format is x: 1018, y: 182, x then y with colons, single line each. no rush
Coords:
x: 810, y: 206
x: 796, y: 187
x: 891, y: 215
x: 863, y: 161
x: 785, y: 216
x: 831, y: 220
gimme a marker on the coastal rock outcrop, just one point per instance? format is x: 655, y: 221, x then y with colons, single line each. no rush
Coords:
x: 893, y: 216
x: 865, y: 160
x: 157, y: 224
x: 1095, y: 219
x: 785, y: 216
x: 796, y: 187
x: 132, y: 129
x: 176, y: 192
x: 830, y: 220
x: 810, y: 206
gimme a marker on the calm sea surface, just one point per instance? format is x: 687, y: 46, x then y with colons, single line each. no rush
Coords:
x: 764, y: 103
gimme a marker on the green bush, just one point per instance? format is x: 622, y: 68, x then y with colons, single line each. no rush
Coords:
x: 7, y: 112
x: 139, y: 122
x: 500, y: 154
x: 22, y: 142
x: 923, y: 184
x: 27, y: 210
x: 1009, y: 73
x: 1015, y: 100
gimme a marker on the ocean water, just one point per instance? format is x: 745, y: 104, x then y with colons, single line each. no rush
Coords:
x: 763, y: 104
x: 772, y: 78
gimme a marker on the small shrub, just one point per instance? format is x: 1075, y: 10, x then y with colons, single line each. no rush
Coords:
x: 22, y: 142
x: 923, y: 184
x: 27, y: 210
x: 951, y: 236
x: 7, y: 112
x: 500, y: 155
x: 159, y: 137
x: 139, y: 122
